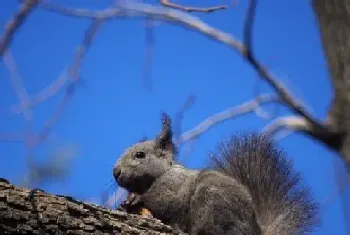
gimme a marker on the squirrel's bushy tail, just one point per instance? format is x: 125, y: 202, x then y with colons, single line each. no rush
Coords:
x: 283, y: 205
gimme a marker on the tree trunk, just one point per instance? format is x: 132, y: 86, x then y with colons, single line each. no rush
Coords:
x: 334, y: 24
x: 23, y: 211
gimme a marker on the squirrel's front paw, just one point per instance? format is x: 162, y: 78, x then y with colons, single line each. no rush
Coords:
x: 133, y: 204
x: 133, y: 200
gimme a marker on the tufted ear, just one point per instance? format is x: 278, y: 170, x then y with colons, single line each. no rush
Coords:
x: 164, y: 139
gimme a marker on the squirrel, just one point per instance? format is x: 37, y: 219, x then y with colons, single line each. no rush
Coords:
x: 250, y: 187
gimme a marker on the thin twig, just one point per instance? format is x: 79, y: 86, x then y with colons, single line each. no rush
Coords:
x: 282, y: 91
x: 74, y: 76
x: 324, y: 134
x: 76, y: 12
x: 17, y: 84
x: 89, y: 35
x: 26, y: 7
x: 55, y: 87
x: 295, y: 123
x: 167, y: 3
x: 41, y: 137
x: 149, y: 42
x: 178, y: 119
x: 242, y: 109
x: 188, y: 149
x: 23, y: 97
x: 142, y: 10
x: 43, y: 95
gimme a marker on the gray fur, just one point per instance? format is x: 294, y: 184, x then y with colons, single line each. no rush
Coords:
x: 249, y: 190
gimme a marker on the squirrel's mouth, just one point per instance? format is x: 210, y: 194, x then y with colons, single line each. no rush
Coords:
x: 117, y: 173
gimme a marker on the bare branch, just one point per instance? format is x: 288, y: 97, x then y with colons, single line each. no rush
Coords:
x: 280, y: 89
x: 178, y: 119
x: 324, y: 134
x: 142, y: 10
x: 21, y: 92
x: 248, y: 27
x: 294, y: 123
x: 184, y: 19
x: 188, y: 149
x: 53, y: 88
x: 85, y: 13
x: 11, y: 27
x: 262, y: 113
x: 43, y: 95
x: 41, y: 137
x: 167, y: 3
x: 235, y: 111
x: 17, y: 84
x: 89, y: 35
x: 74, y: 76
x: 149, y: 41
x: 145, y: 10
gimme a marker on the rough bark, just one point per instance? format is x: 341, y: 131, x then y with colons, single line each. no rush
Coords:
x: 334, y: 25
x: 25, y: 211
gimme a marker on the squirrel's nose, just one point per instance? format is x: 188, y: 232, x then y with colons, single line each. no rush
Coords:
x: 116, y: 173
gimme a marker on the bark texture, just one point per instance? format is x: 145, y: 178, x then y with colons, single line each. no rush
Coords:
x: 334, y: 24
x: 25, y: 211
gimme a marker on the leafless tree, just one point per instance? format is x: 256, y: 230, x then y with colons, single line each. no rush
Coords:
x: 332, y: 16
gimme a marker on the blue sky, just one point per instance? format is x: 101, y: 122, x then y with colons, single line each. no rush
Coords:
x: 111, y: 109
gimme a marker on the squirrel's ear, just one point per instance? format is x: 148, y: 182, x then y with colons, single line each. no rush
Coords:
x: 164, y: 139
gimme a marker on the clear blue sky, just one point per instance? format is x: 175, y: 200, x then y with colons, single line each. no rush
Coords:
x: 113, y: 109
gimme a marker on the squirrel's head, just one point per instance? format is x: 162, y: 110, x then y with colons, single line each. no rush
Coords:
x: 144, y: 162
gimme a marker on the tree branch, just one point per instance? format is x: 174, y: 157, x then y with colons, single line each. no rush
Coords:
x: 17, y: 84
x: 179, y: 116
x: 208, y: 123
x: 281, y: 90
x: 167, y: 3
x: 142, y: 10
x: 323, y: 134
x: 294, y: 123
x: 36, y: 212
x: 23, y: 97
x: 184, y: 19
x: 73, y: 77
x: 26, y: 7
x: 43, y: 95
x: 149, y: 42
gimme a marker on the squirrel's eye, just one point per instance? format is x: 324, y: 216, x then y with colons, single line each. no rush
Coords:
x: 140, y: 155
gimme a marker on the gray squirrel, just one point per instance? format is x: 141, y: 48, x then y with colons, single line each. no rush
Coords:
x: 250, y: 187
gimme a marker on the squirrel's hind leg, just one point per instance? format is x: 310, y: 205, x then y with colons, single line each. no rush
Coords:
x: 221, y: 208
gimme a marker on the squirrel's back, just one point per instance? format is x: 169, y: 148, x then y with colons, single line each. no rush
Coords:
x: 283, y: 205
